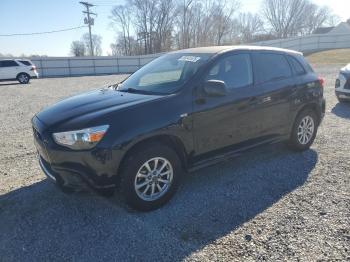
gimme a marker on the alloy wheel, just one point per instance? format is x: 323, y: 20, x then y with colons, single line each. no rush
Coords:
x: 153, y: 179
x: 306, y: 130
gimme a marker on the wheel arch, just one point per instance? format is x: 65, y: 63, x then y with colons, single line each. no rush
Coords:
x: 22, y: 73
x: 311, y: 106
x: 171, y: 141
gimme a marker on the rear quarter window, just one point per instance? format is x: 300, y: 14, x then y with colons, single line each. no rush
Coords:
x: 305, y: 63
x: 296, y: 65
x: 270, y: 67
x: 24, y: 62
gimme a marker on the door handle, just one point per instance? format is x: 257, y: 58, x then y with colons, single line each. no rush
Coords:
x: 266, y: 99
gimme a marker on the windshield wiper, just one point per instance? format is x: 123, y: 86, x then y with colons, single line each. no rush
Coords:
x: 136, y: 91
x: 130, y: 90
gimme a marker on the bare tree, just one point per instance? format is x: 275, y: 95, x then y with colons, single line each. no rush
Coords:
x: 151, y: 26
x: 118, y: 47
x: 164, y: 25
x: 184, y: 22
x: 145, y: 20
x: 121, y: 17
x: 222, y: 14
x: 96, y: 43
x: 77, y: 48
x: 293, y: 17
x: 284, y: 16
x: 202, y: 23
x: 249, y: 26
x: 317, y: 17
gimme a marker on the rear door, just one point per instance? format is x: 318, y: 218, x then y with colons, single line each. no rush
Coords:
x: 8, y: 69
x: 274, y: 76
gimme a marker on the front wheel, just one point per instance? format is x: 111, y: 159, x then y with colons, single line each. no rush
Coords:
x: 150, y: 176
x: 23, y: 78
x: 304, y: 130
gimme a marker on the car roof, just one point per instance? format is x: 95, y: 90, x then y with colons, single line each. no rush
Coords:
x: 220, y: 49
x: 14, y: 59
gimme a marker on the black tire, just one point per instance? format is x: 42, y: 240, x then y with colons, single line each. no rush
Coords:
x: 23, y: 78
x: 132, y: 165
x: 294, y: 142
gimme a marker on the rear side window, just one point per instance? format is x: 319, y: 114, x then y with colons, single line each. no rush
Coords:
x: 234, y: 70
x: 270, y: 67
x: 24, y: 62
x: 297, y: 67
x: 8, y: 63
x: 305, y: 64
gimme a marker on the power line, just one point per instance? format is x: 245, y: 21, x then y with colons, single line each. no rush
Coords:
x: 46, y: 32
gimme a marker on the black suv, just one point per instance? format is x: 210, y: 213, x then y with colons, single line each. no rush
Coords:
x: 185, y: 110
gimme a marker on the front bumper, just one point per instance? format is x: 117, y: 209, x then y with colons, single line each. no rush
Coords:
x: 95, y: 168
x: 46, y: 170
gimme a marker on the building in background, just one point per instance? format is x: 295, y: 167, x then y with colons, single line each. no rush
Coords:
x: 341, y: 28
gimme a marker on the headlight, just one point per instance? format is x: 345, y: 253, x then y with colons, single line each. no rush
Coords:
x: 81, y: 139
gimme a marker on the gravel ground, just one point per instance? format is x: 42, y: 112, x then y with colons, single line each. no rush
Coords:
x: 270, y: 204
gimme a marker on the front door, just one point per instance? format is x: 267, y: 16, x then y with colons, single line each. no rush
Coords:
x: 222, y: 121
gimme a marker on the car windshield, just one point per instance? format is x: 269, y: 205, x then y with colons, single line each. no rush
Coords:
x: 164, y: 75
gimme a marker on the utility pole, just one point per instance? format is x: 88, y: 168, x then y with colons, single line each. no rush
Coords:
x: 90, y: 22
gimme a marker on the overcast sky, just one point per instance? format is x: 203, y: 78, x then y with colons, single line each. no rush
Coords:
x: 23, y: 16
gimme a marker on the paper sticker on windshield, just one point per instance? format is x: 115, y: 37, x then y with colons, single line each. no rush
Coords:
x: 189, y: 58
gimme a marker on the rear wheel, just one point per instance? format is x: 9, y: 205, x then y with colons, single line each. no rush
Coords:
x: 23, y: 78
x: 150, y: 176
x: 304, y: 130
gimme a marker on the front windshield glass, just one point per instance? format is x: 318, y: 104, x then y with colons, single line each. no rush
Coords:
x: 164, y: 75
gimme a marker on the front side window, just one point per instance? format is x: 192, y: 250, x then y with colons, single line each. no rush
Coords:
x: 270, y: 67
x: 8, y: 63
x: 234, y: 70
x: 166, y: 74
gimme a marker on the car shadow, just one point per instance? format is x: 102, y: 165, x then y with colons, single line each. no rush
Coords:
x: 39, y: 222
x: 9, y: 84
x: 342, y: 110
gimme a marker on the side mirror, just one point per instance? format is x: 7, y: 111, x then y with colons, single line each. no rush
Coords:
x: 215, y: 88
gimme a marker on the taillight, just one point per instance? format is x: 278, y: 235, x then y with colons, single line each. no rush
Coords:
x: 322, y: 81
x: 33, y: 68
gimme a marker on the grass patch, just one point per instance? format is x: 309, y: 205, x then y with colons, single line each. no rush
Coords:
x: 336, y: 56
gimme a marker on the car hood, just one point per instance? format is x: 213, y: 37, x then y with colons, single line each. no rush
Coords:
x: 105, y: 100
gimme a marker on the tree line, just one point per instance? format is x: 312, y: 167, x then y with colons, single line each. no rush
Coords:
x: 155, y: 26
